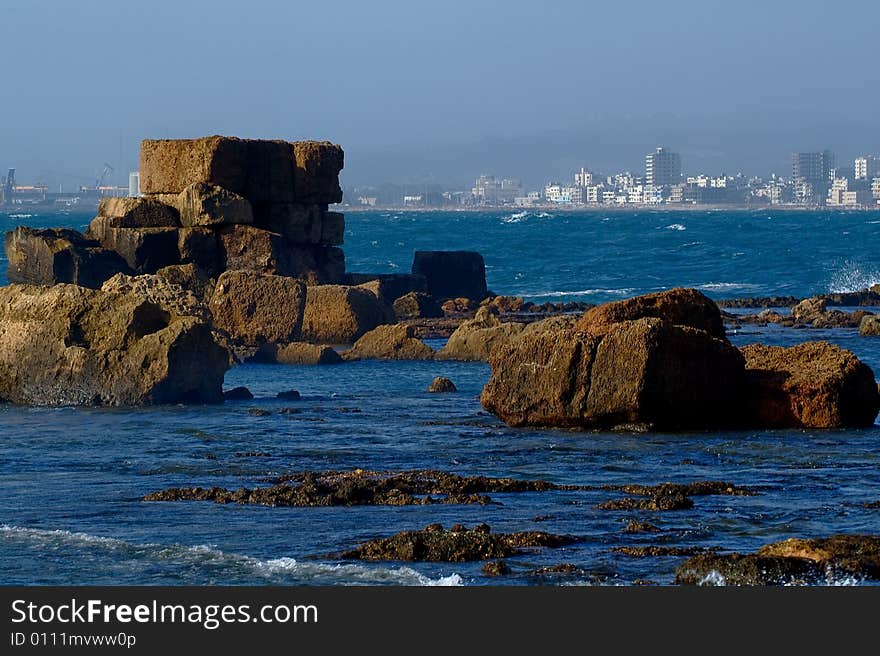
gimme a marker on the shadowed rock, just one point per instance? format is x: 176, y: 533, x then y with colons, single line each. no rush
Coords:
x: 138, y: 213
x: 654, y: 551
x: 416, y: 305
x: 452, y: 274
x: 458, y: 544
x: 298, y: 353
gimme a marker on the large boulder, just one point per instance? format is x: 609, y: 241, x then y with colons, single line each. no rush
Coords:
x: 318, y: 164
x: 123, y: 212
x: 301, y: 353
x: 300, y: 224
x: 144, y: 249
x: 58, y: 255
x: 542, y: 379
x: 647, y: 372
x: 168, y: 166
x: 339, y: 314
x: 255, y: 308
x: 474, y: 339
x: 452, y: 274
x: 68, y: 345
x: 190, y: 277
x: 390, y: 342
x: 809, y: 309
x: 681, y: 306
x: 204, y: 204
x: 811, y: 385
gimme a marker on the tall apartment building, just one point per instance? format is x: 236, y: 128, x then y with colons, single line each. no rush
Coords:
x: 583, y: 178
x: 867, y: 167
x: 662, y: 168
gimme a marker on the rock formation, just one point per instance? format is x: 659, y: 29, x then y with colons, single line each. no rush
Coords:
x: 475, y: 339
x: 452, y: 274
x: 390, y: 342
x: 340, y: 314
x: 68, y: 345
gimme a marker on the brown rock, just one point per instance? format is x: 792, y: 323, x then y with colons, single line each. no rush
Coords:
x: 67, y: 345
x: 390, y: 342
x: 318, y: 164
x: 541, y: 379
x: 201, y: 247
x: 475, y: 339
x: 203, y: 204
x: 505, y: 304
x: 189, y: 277
x: 168, y: 166
x: 681, y: 306
x: 667, y: 376
x: 58, y: 255
x: 417, y: 305
x: 441, y: 384
x: 138, y: 213
x: 870, y: 326
x: 258, y: 308
x: 338, y: 314
x: 144, y: 249
x: 456, y: 306
x: 388, y: 286
x: 496, y: 568
x: 174, y: 299
x: 558, y: 322
x: 306, y: 354
x: 809, y: 310
x: 811, y: 385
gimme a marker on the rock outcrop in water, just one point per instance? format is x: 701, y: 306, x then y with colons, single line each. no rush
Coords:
x: 457, y: 544
x: 391, y: 342
x: 788, y: 562
x: 617, y: 368
x: 68, y: 345
x: 340, y: 314
x: 474, y: 339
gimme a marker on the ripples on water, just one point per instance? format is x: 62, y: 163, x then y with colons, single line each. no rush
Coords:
x: 72, y: 478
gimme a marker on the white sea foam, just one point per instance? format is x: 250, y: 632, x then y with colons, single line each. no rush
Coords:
x: 676, y: 226
x: 273, y: 570
x: 584, y: 292
x: 853, y: 276
x: 516, y: 217
x: 726, y: 286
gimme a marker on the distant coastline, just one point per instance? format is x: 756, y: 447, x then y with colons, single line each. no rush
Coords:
x: 580, y: 209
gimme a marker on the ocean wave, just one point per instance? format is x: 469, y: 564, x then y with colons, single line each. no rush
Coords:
x: 853, y: 276
x: 675, y: 226
x: 727, y: 286
x: 525, y: 215
x: 277, y: 570
x: 584, y: 292
x: 832, y: 578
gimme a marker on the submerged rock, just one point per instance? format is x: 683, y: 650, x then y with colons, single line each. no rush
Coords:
x: 67, y: 345
x: 655, y: 551
x: 811, y: 385
x: 668, y: 496
x: 301, y: 353
x: 238, y: 394
x: 442, y: 384
x: 496, y: 568
x: 390, y: 342
x: 458, y: 544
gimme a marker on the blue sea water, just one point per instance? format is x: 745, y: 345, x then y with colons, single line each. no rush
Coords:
x: 73, y: 478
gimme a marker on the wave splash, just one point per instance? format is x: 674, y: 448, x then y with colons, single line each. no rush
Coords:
x: 274, y: 570
x: 853, y: 276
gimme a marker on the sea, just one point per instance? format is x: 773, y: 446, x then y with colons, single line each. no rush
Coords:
x: 73, y: 478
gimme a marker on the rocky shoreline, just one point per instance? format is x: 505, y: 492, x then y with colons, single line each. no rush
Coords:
x: 232, y: 256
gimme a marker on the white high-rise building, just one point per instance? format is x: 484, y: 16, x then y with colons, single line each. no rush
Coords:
x: 662, y: 167
x: 867, y: 167
x: 134, y: 184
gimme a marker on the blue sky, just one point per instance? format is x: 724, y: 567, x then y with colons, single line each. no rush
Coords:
x: 441, y: 89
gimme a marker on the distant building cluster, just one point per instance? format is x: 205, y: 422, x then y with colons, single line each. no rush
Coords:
x: 815, y: 181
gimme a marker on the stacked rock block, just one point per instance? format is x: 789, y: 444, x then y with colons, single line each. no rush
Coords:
x: 261, y: 205
x: 221, y: 203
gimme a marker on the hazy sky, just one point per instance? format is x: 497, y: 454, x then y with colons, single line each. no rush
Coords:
x: 443, y: 89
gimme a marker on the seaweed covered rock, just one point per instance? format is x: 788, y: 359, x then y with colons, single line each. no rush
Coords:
x: 681, y: 306
x: 458, y: 544
x: 59, y: 255
x: 788, y: 562
x: 811, y: 385
x: 68, y: 345
x: 390, y: 342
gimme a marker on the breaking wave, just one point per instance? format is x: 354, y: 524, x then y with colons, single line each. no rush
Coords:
x: 624, y: 291
x: 676, y: 226
x: 274, y: 570
x: 853, y: 276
